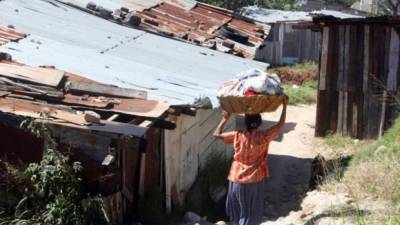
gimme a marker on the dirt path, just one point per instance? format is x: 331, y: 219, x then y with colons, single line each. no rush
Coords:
x: 290, y: 161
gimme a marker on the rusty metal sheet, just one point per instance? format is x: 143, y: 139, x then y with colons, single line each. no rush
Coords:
x: 139, y: 107
x: 90, y: 101
x: 257, y: 32
x: 22, y: 107
x: 200, y: 25
x: 10, y: 34
x: 34, y: 109
x: 130, y: 106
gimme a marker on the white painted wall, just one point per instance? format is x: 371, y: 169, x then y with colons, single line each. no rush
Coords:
x: 187, y: 149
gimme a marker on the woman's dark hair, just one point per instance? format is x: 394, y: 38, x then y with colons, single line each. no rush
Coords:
x: 252, y: 121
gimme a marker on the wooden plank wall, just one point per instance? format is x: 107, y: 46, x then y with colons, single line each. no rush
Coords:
x: 358, y: 75
x: 284, y: 41
x: 187, y: 149
x: 309, y: 45
x: 327, y: 103
x: 129, y: 162
x: 153, y: 159
x: 114, y: 207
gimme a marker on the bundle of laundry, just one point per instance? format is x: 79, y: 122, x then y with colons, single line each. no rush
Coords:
x: 252, y: 82
x: 252, y: 91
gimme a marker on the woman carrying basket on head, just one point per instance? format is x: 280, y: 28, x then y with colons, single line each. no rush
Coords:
x: 245, y: 200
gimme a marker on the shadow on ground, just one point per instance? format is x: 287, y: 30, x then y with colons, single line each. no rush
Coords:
x: 287, y: 185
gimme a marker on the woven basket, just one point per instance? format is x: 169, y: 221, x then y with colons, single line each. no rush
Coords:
x: 251, y: 104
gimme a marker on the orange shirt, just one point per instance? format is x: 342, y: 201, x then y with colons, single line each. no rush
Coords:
x: 250, y: 155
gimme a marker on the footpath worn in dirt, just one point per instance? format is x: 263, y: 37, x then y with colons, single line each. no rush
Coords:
x: 290, y: 160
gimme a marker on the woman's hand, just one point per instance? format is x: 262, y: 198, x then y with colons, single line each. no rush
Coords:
x: 225, y: 114
x: 218, y: 133
x: 286, y: 100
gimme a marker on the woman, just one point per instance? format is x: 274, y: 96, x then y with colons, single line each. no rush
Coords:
x: 245, y: 200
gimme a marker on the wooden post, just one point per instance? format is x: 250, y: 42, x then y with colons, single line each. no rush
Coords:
x: 365, y: 79
x: 383, y: 116
x: 341, y: 86
x: 142, y: 174
x: 394, y: 53
x: 346, y: 112
x: 324, y: 59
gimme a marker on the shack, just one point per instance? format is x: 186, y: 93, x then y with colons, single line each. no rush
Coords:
x: 126, y: 143
x: 107, y: 128
x: 358, y: 94
x: 288, y: 42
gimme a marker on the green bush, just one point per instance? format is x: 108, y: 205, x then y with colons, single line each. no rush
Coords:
x: 53, y: 193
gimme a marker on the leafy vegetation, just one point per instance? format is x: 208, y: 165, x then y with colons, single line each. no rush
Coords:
x: 51, y: 193
x: 389, y: 7
x: 270, y: 4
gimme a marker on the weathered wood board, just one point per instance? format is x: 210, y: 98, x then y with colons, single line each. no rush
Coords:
x: 44, y: 76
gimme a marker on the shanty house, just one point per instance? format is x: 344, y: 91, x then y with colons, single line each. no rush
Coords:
x: 104, y: 127
x: 288, y: 42
x: 358, y: 94
x: 167, y: 74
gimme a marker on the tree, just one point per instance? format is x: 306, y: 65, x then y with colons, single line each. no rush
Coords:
x: 270, y: 4
x: 389, y: 7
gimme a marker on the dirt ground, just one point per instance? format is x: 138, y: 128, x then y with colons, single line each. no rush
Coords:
x: 290, y: 159
x: 298, y: 133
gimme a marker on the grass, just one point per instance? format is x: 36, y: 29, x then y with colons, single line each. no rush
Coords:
x: 299, y: 82
x: 304, y: 94
x: 337, y: 141
x: 306, y: 67
x: 373, y: 174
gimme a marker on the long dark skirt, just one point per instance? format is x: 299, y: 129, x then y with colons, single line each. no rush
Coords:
x: 245, y: 203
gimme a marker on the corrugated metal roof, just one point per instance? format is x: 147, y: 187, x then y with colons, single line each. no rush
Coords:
x: 199, y: 24
x: 134, y: 5
x: 9, y: 34
x: 106, y: 52
x: 366, y: 20
x: 272, y: 16
x: 336, y: 14
x: 205, y: 25
x: 23, y: 98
